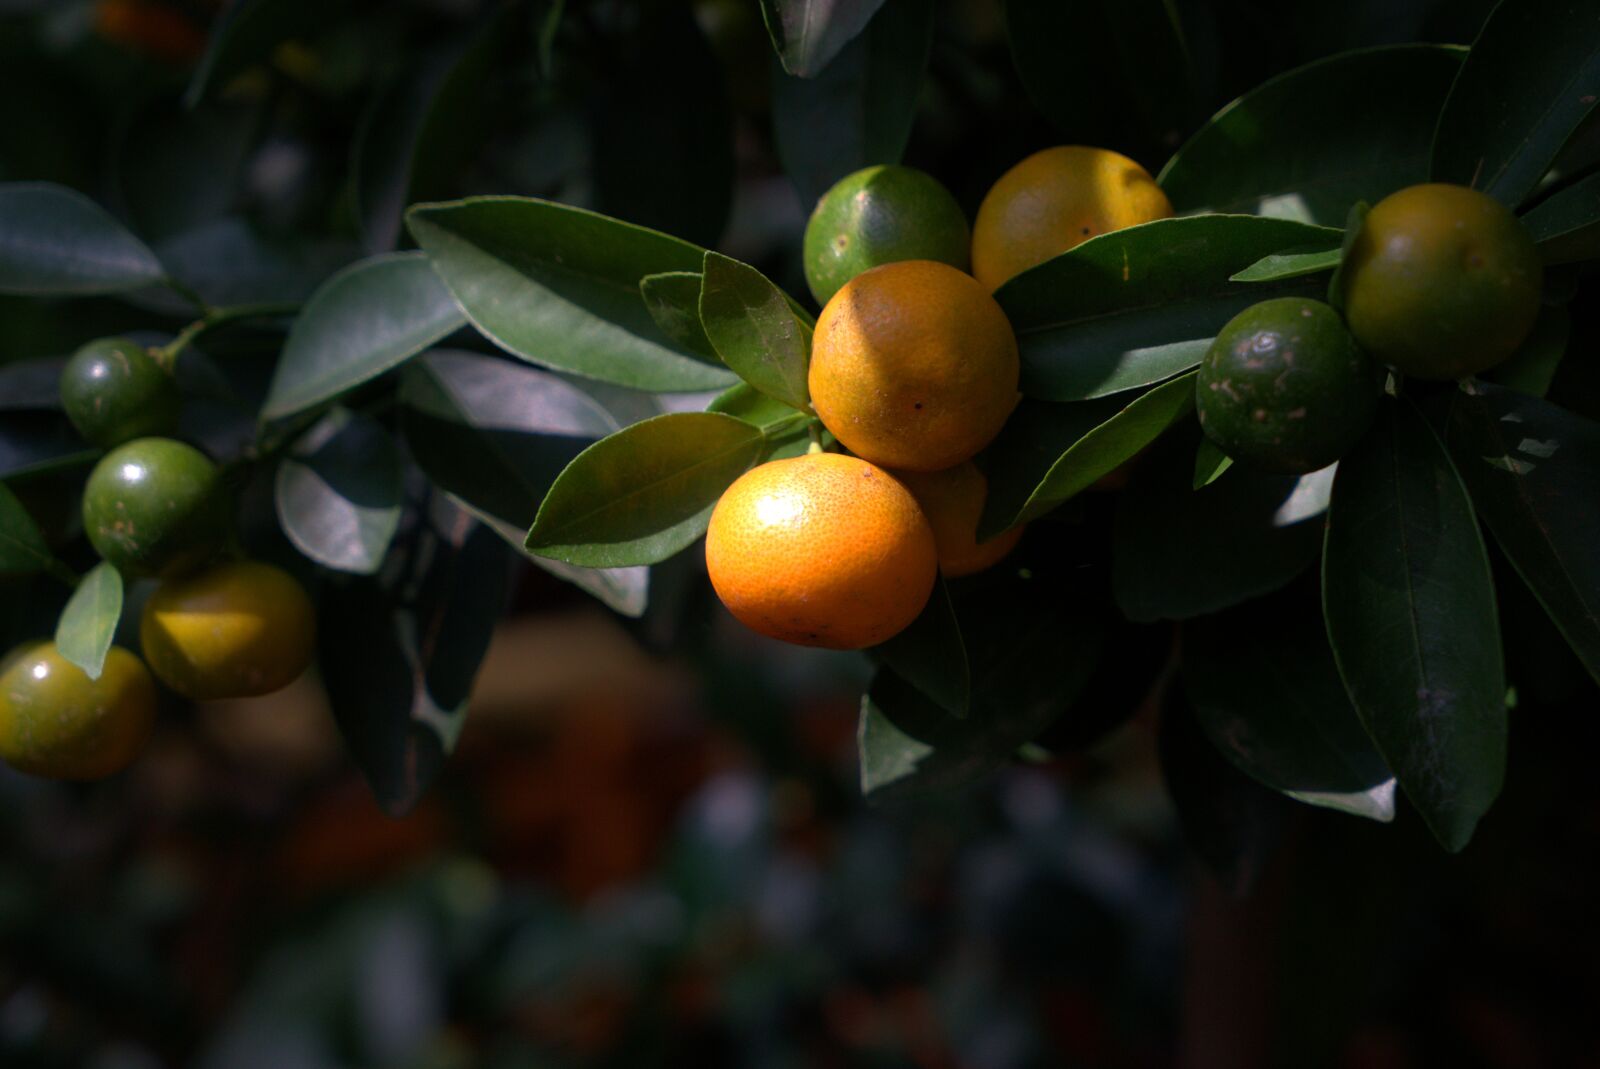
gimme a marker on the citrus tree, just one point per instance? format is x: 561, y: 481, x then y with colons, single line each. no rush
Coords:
x: 1274, y: 399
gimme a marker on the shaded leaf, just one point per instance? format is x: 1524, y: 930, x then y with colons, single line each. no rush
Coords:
x: 54, y: 241
x: 23, y: 550
x: 1411, y: 616
x: 1533, y: 366
x: 246, y: 32
x: 808, y: 34
x: 232, y: 261
x: 559, y: 286
x: 673, y: 300
x: 1291, y: 263
x: 931, y: 655
x: 1139, y: 305
x: 754, y: 330
x: 1567, y: 224
x: 339, y: 492
x: 89, y: 622
x: 32, y: 384
x: 366, y: 320
x: 34, y: 442
x: 1209, y: 463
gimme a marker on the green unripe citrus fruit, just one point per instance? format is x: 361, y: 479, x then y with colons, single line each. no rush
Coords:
x: 1284, y: 387
x: 155, y: 505
x: 1441, y: 282
x: 881, y: 215
x: 55, y: 721
x: 114, y: 391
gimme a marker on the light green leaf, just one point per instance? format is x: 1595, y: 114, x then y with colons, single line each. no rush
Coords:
x: 89, y: 622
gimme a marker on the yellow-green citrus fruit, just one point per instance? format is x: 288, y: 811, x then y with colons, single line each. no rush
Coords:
x: 234, y: 630
x: 913, y: 366
x: 881, y: 215
x: 953, y: 502
x: 114, y: 391
x: 821, y: 550
x: 1055, y: 200
x: 55, y: 721
x: 1284, y: 387
x: 1441, y: 282
x: 155, y: 505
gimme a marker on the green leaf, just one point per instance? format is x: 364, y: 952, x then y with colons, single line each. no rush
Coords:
x: 246, y: 32
x: 1533, y: 366
x: 1311, y: 142
x: 1180, y: 552
x: 1135, y: 306
x: 1048, y: 453
x: 1532, y: 469
x: 673, y: 300
x: 1353, y: 223
x: 788, y: 431
x: 401, y: 702
x: 1531, y: 77
x: 339, y: 492
x: 234, y: 261
x: 35, y: 442
x: 559, y: 286
x: 364, y: 321
x: 644, y: 493
x: 1411, y: 615
x: 32, y: 385
x: 1567, y: 224
x: 932, y: 656
x: 23, y: 550
x: 1292, y: 263
x: 858, y: 110
x: 754, y: 330
x: 808, y: 34
x: 89, y: 622
x: 1267, y: 693
x: 1209, y: 463
x: 1103, y: 72
x: 55, y: 242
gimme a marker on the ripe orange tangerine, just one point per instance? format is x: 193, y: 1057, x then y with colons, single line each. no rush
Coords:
x: 953, y: 502
x: 821, y: 550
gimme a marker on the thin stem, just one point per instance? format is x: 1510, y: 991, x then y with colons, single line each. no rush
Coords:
x: 187, y: 294
x: 167, y: 355
x: 816, y: 439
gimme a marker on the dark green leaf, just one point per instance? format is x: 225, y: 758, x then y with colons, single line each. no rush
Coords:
x: 559, y: 286
x: 1353, y: 222
x: 644, y: 493
x: 1532, y: 469
x: 1139, y: 305
x: 673, y: 300
x: 1048, y: 453
x: 55, y: 241
x: 1181, y: 552
x: 931, y: 655
x: 247, y: 31
x: 1567, y: 224
x: 858, y: 110
x: 339, y: 492
x: 754, y: 330
x: 1533, y: 366
x: 401, y: 702
x: 808, y: 34
x: 1291, y: 263
x: 89, y: 622
x: 1309, y: 143
x: 788, y: 431
x: 34, y: 442
x: 32, y: 384
x: 1266, y: 691
x: 1532, y: 76
x: 22, y: 547
x: 1209, y: 463
x: 1411, y: 615
x: 232, y: 261
x: 175, y: 170
x: 366, y: 320
x: 1103, y: 72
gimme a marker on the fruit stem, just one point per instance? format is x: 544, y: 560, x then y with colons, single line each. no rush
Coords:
x: 816, y: 440
x: 167, y: 355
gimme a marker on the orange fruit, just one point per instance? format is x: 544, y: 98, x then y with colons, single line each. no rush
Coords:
x: 913, y: 366
x: 1054, y: 200
x: 821, y: 550
x: 953, y: 502
x: 234, y: 630
x: 55, y: 721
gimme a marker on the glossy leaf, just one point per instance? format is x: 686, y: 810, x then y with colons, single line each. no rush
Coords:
x: 246, y: 32
x: 55, y: 242
x: 364, y: 321
x: 1135, y: 306
x: 858, y: 110
x: 1267, y: 693
x: 1313, y: 141
x: 23, y: 550
x: 1532, y: 469
x: 89, y: 622
x: 1179, y: 552
x: 1567, y: 224
x: 673, y: 300
x: 1533, y: 366
x: 1049, y: 452
x: 1291, y: 263
x: 788, y: 430
x: 754, y: 330
x: 622, y: 590
x: 644, y: 493
x: 1532, y: 76
x: 808, y: 34
x: 931, y: 655
x: 1209, y: 463
x: 339, y: 492
x: 1411, y: 616
x: 559, y: 286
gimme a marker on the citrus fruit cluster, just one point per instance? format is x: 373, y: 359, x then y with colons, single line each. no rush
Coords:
x: 1439, y: 282
x: 914, y: 370
x: 157, y: 508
